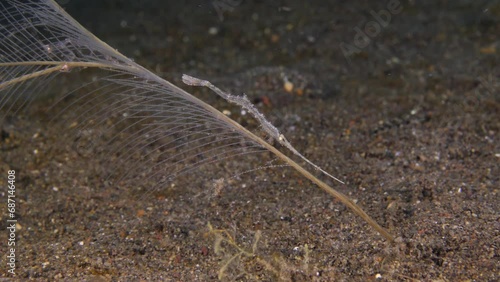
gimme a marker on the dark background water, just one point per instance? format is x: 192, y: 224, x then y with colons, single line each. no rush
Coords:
x: 228, y: 36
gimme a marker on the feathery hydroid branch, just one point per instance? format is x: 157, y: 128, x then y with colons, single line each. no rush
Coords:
x: 52, y: 43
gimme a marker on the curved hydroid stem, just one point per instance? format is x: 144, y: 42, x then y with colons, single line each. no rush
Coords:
x: 112, y: 60
x: 142, y: 72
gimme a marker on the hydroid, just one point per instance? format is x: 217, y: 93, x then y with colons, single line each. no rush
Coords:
x: 172, y: 131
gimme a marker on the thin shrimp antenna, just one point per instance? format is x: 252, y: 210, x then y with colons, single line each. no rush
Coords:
x: 268, y: 127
